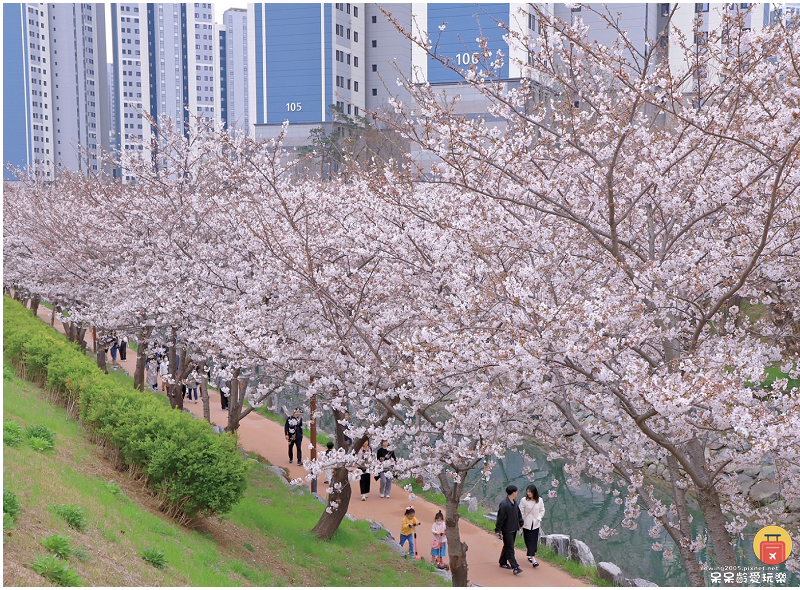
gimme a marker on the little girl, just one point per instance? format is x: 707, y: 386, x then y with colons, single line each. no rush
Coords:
x: 407, y: 529
x: 439, y: 543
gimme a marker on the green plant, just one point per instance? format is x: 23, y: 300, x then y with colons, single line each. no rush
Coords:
x: 56, y: 570
x: 113, y: 487
x: 73, y: 515
x: 154, y: 557
x: 12, y: 433
x: 194, y: 471
x: 40, y: 444
x: 249, y: 547
x: 8, y: 372
x: 8, y: 524
x: 80, y: 553
x: 58, y: 545
x: 10, y: 503
x: 36, y: 431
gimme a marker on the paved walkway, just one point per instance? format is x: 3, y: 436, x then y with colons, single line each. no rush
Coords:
x: 265, y: 437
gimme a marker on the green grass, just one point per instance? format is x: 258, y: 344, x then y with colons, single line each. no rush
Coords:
x: 264, y: 540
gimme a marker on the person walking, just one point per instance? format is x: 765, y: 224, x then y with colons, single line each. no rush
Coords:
x: 509, y: 521
x: 152, y: 373
x: 439, y: 543
x: 163, y: 370
x: 407, y: 529
x: 123, y: 348
x: 293, y: 429
x: 114, y: 347
x: 191, y: 386
x: 364, y: 481
x: 532, y: 509
x: 328, y: 470
x: 384, y: 454
x: 221, y: 383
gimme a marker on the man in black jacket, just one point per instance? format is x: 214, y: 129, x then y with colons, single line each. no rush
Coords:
x: 509, y: 521
x: 294, y: 434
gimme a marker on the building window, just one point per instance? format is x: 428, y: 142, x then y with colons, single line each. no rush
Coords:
x: 355, y: 61
x: 374, y: 92
x: 355, y: 85
x: 374, y: 19
x: 348, y: 59
x: 374, y: 42
x: 699, y: 7
x: 348, y: 9
x: 348, y: 33
x: 355, y: 36
x: 531, y: 22
x: 374, y: 67
x: 355, y: 11
x: 355, y: 111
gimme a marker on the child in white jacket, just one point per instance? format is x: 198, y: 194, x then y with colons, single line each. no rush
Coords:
x: 532, y: 509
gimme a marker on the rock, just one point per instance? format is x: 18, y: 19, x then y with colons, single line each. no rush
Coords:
x: 394, y: 545
x: 218, y: 429
x: 559, y: 544
x: 793, y: 506
x: 650, y: 470
x: 610, y: 572
x: 752, y: 471
x: 764, y: 492
x: 279, y: 471
x: 580, y: 552
x: 472, y: 505
x: 445, y: 574
x: 350, y: 517
x: 319, y: 498
x: 767, y: 472
x: 491, y: 516
x: 639, y: 583
x: 746, y: 482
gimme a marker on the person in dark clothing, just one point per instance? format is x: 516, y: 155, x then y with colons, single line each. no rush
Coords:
x: 294, y: 434
x: 386, y: 476
x: 509, y: 521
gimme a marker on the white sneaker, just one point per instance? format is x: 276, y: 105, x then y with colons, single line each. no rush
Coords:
x: 363, y: 497
x: 382, y: 496
x: 388, y: 496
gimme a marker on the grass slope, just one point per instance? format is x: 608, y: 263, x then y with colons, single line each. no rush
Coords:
x: 264, y: 541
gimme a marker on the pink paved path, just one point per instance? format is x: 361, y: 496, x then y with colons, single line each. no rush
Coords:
x: 265, y: 437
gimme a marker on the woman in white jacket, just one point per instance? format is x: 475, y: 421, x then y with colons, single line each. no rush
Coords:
x: 532, y: 509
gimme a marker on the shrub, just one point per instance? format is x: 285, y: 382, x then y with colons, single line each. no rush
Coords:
x: 8, y: 372
x: 12, y: 433
x: 10, y: 503
x: 194, y: 471
x: 8, y: 524
x: 73, y: 515
x: 154, y: 557
x: 56, y: 570
x: 36, y: 431
x: 40, y: 444
x: 113, y: 487
x: 58, y: 545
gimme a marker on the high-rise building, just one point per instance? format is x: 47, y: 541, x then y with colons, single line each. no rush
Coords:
x: 54, y: 80
x: 303, y: 58
x: 164, y: 66
x: 234, y: 79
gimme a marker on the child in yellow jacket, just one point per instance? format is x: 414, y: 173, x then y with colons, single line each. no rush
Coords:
x: 407, y: 529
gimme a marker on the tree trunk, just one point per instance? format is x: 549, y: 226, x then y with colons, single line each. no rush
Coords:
x: 724, y: 555
x: 53, y: 316
x: 35, y: 304
x: 141, y: 358
x: 330, y: 521
x: 204, y: 397
x: 80, y: 336
x: 236, y: 401
x: 456, y: 548
x: 101, y: 359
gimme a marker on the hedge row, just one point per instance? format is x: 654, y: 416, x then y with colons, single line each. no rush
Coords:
x: 194, y: 471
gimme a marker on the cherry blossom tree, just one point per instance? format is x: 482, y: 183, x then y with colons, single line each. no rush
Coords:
x: 649, y: 205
